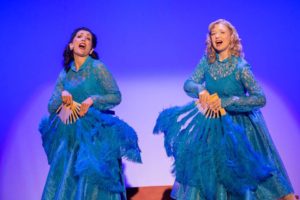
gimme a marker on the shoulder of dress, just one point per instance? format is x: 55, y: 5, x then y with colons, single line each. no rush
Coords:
x: 203, y: 63
x: 97, y: 64
x: 62, y: 73
x: 204, y: 59
x: 242, y: 64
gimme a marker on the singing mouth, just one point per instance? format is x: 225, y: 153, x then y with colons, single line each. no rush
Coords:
x: 82, y: 46
x: 219, y: 43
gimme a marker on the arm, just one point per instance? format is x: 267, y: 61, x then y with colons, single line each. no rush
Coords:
x: 195, y: 84
x: 55, y: 99
x: 255, y: 98
x: 112, y: 96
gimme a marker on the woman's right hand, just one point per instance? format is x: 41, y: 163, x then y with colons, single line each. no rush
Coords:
x: 66, y: 97
x: 215, y: 105
x: 203, y: 99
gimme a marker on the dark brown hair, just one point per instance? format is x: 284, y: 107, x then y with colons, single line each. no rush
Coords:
x: 68, y: 53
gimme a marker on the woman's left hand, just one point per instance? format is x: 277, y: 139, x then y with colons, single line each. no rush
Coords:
x: 215, y: 105
x: 85, y: 105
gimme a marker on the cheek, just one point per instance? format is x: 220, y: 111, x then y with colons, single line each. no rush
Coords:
x: 89, y: 44
x: 212, y: 39
x: 228, y: 39
x: 74, y: 43
x: 75, y: 39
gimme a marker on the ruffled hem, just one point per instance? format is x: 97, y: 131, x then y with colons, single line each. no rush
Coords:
x: 210, y: 151
x: 103, y: 140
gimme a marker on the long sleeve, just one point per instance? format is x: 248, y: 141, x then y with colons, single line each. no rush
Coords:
x: 195, y: 84
x: 254, y: 99
x: 112, y: 96
x: 55, y: 99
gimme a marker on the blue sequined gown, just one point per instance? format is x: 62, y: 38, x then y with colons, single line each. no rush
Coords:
x: 85, y: 157
x: 231, y: 157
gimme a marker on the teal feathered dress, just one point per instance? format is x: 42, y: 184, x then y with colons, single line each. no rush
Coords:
x: 227, y: 158
x: 85, y: 156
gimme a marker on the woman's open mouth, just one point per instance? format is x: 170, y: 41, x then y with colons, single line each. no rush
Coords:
x: 82, y: 46
x: 219, y: 43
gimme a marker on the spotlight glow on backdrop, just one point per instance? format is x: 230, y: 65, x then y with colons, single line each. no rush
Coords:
x: 151, y: 47
x: 25, y: 164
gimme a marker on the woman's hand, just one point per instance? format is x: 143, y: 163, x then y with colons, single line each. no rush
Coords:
x: 215, y: 104
x: 203, y: 99
x: 66, y: 97
x: 85, y: 105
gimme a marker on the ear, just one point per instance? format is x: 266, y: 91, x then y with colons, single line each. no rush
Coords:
x: 91, y: 51
x: 71, y: 46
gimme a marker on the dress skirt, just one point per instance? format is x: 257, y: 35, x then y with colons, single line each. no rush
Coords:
x: 229, y: 157
x: 85, y: 157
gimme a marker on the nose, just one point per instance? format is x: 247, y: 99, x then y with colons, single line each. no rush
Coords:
x: 83, y: 38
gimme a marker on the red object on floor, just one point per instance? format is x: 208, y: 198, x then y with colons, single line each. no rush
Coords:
x: 149, y: 193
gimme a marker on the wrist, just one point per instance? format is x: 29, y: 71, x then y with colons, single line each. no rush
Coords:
x: 90, y: 101
x: 203, y: 92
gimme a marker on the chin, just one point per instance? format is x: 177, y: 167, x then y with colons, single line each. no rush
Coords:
x: 82, y: 54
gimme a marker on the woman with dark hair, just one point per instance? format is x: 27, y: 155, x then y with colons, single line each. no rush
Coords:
x: 83, y: 140
x: 220, y: 143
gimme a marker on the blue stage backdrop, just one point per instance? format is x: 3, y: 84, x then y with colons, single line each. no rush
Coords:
x: 151, y: 47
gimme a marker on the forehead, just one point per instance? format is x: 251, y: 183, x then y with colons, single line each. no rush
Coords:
x: 84, y: 32
x: 219, y: 26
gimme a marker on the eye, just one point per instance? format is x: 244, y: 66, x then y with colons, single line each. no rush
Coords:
x: 88, y: 38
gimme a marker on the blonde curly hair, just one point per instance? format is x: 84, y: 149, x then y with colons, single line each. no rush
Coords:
x: 235, y: 46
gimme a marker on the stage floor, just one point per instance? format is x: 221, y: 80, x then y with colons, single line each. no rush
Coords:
x: 149, y: 193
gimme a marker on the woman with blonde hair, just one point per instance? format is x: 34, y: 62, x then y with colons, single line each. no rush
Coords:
x: 220, y: 142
